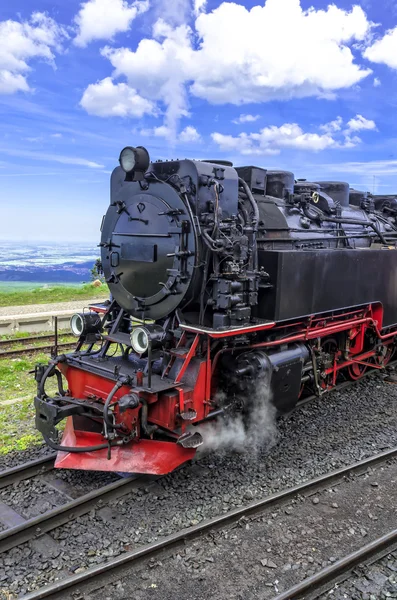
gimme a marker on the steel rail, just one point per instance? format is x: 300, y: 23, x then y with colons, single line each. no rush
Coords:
x: 32, y: 528
x: 29, y: 338
x: 26, y: 470
x: 54, y: 589
x: 33, y: 349
x: 332, y: 573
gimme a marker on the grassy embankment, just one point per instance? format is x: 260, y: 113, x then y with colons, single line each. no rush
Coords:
x: 10, y: 295
x: 17, y: 431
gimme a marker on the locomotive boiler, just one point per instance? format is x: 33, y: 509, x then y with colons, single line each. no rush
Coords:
x: 220, y: 277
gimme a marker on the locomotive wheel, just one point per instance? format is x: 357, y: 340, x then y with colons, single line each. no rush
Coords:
x: 355, y: 371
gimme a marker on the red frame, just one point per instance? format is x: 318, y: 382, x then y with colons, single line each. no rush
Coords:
x: 151, y: 456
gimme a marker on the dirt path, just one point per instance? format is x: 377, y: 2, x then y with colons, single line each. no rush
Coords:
x: 53, y: 307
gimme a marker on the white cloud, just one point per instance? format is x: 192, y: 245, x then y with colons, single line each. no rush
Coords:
x: 246, y: 119
x: 107, y: 99
x: 274, y: 51
x: 199, y: 6
x: 102, y: 19
x: 12, y: 82
x: 351, y: 140
x: 243, y: 143
x: 189, y: 134
x: 268, y: 52
x: 23, y: 41
x: 177, y: 12
x: 161, y: 131
x: 359, y: 122
x: 149, y: 69
x: 64, y: 160
x: 56, y: 135
x: 332, y: 126
x: 377, y: 82
x: 384, y: 50
x: 272, y: 139
x: 173, y: 12
x: 372, y: 167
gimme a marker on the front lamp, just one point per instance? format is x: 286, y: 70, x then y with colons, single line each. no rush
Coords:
x: 85, y: 324
x: 134, y: 161
x: 142, y: 337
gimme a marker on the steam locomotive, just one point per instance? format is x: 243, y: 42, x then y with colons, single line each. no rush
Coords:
x: 220, y: 277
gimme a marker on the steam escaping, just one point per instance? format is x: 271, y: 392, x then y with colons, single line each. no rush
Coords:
x: 252, y: 431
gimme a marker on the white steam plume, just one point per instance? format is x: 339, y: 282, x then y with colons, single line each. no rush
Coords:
x: 253, y: 432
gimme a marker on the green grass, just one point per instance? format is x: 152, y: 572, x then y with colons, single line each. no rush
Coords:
x: 17, y: 430
x: 17, y: 339
x: 17, y: 421
x: 46, y: 294
x: 17, y: 427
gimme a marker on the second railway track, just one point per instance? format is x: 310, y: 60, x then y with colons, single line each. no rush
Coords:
x: 19, y: 530
x: 46, y: 522
x: 14, y: 347
x: 125, y: 558
x: 34, y: 349
x: 27, y: 339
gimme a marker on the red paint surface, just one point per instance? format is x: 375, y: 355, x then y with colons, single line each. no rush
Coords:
x: 192, y: 389
x: 146, y: 456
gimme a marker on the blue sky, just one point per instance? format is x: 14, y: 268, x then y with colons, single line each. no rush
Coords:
x: 308, y: 87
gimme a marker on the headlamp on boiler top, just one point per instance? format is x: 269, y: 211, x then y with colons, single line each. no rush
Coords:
x: 134, y: 161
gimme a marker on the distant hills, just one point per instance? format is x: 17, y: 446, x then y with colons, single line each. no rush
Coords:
x: 70, y: 272
x: 46, y: 262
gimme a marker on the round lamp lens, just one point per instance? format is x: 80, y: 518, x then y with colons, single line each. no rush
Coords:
x: 139, y: 340
x: 77, y: 325
x: 128, y: 159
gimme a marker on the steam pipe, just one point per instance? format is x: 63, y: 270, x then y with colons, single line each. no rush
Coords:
x: 307, y: 335
x: 110, y: 397
x: 60, y: 383
x: 254, y: 205
x: 60, y: 448
x: 255, y: 221
x: 50, y: 370
x: 147, y: 429
x: 248, y: 370
x: 210, y: 241
x: 357, y: 222
x: 343, y: 220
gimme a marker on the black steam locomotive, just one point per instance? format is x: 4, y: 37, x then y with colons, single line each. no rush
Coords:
x: 218, y: 276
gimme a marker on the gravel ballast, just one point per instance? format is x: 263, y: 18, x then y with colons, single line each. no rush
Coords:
x: 13, y: 459
x: 263, y: 555
x: 377, y: 581
x: 336, y: 430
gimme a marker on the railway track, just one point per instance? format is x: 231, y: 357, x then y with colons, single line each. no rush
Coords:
x: 26, y: 470
x: 113, y: 567
x: 20, y: 530
x: 8, y: 350
x: 325, y: 579
x: 37, y: 527
x: 35, y: 349
x: 28, y: 339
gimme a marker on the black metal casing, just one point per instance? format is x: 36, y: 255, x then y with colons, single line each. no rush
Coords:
x: 150, y: 242
x: 154, y: 257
